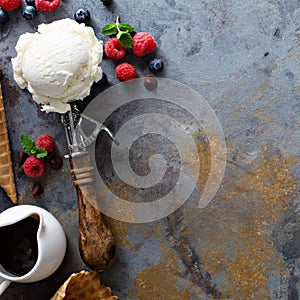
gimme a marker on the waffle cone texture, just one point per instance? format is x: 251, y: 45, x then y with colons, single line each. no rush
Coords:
x: 83, y: 286
x: 7, y: 180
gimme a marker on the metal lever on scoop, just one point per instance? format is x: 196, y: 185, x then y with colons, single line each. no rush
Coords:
x: 76, y: 138
x: 96, y: 242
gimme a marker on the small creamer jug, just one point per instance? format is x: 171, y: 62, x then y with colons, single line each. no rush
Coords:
x: 33, y: 245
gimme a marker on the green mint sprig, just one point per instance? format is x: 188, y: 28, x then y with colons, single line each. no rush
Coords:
x: 30, y: 147
x: 121, y: 30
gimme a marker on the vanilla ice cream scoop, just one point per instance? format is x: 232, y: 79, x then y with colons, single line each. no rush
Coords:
x: 58, y: 64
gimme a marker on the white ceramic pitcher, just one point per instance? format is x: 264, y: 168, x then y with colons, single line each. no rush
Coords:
x: 51, y: 244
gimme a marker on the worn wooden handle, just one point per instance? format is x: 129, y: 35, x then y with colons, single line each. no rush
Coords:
x: 96, y: 241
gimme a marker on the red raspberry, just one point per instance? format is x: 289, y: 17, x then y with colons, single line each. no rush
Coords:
x: 34, y: 167
x: 45, y: 141
x: 143, y: 44
x: 125, y: 71
x: 10, y: 4
x: 113, y: 49
x: 47, y: 5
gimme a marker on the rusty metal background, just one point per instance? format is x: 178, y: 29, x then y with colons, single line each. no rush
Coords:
x: 243, y: 58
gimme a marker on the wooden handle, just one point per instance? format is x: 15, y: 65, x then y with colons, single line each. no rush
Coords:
x: 96, y: 242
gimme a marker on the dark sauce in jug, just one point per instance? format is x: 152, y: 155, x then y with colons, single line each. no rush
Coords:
x: 19, y: 249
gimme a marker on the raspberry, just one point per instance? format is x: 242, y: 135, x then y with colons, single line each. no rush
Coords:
x: 34, y: 167
x: 143, y: 44
x: 113, y: 49
x: 10, y: 4
x: 125, y: 71
x: 45, y: 141
x: 47, y: 5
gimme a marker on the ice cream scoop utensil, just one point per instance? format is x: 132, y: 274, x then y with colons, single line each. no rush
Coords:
x: 96, y: 241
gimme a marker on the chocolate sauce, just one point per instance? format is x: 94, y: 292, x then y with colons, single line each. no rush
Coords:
x: 19, y: 249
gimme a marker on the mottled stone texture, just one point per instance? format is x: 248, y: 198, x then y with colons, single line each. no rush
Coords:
x: 243, y: 58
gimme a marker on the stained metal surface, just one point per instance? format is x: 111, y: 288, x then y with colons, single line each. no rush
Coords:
x: 243, y: 58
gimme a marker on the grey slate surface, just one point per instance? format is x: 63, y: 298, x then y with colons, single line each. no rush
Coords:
x: 243, y: 58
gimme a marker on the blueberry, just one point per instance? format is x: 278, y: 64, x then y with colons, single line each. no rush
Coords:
x: 156, y: 65
x: 29, y: 12
x: 82, y: 15
x: 30, y: 2
x: 4, y: 17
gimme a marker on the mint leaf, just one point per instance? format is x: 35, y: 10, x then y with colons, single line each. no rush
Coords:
x: 121, y: 30
x: 27, y: 143
x: 110, y: 29
x: 34, y: 150
x: 30, y: 147
x: 125, y: 39
x: 126, y: 27
x: 41, y: 152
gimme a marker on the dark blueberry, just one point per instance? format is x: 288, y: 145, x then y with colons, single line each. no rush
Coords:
x: 150, y: 83
x: 30, y: 2
x: 82, y: 15
x: 106, y: 2
x: 4, y: 17
x: 156, y: 65
x: 55, y: 162
x: 22, y: 156
x: 29, y: 12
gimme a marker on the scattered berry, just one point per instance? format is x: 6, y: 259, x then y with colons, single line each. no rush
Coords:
x: 55, y: 162
x: 125, y: 71
x: 4, y: 17
x: 30, y: 2
x: 22, y: 157
x: 82, y: 15
x: 106, y: 2
x: 47, y: 5
x: 34, y: 167
x: 45, y: 141
x: 37, y: 189
x: 156, y: 65
x: 143, y: 44
x: 29, y: 12
x: 150, y: 83
x: 9, y: 5
x: 113, y: 49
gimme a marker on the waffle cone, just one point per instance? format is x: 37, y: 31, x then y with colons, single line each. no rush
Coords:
x: 83, y: 286
x: 7, y: 180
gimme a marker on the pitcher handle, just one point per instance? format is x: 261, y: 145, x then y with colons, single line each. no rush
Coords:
x: 4, y: 283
